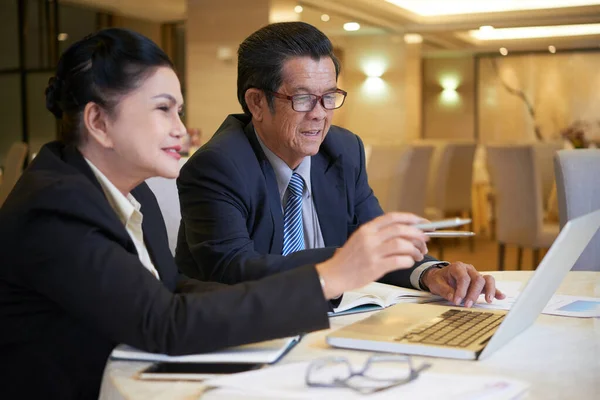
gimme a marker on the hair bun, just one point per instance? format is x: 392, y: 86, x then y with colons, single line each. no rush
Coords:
x: 53, y: 96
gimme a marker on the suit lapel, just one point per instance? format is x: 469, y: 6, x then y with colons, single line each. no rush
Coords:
x: 329, y: 195
x: 155, y: 238
x: 110, y: 220
x: 272, y: 191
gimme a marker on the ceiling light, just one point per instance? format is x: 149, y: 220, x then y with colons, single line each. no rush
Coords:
x: 324, y: 17
x: 534, y: 32
x: 413, y: 38
x: 351, y: 26
x: 298, y: 9
x: 486, y: 28
x: 428, y: 8
x: 62, y: 37
x: 503, y: 51
x: 552, y: 49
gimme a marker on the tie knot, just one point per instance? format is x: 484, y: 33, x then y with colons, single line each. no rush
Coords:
x: 296, y: 185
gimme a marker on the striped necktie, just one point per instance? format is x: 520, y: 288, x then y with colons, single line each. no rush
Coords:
x: 293, y: 229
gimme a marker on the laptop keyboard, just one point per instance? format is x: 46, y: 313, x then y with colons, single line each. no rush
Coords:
x: 457, y: 328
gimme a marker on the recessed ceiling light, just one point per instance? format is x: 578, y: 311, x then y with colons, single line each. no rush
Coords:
x: 325, y: 18
x: 413, y: 38
x: 428, y: 8
x: 552, y: 49
x: 351, y: 26
x: 298, y: 9
x: 486, y: 28
x: 503, y: 51
x: 534, y: 32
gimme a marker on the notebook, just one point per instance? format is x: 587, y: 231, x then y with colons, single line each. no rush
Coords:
x: 455, y: 332
x: 375, y: 296
x: 264, y: 352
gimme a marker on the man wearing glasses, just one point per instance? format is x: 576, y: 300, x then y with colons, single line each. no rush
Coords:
x: 278, y: 186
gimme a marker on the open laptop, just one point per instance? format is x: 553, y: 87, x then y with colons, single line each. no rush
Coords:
x: 470, y: 334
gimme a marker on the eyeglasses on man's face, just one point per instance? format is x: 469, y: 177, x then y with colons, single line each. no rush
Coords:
x: 307, y: 102
x: 380, y: 372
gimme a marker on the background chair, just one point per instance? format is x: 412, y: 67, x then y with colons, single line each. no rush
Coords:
x: 519, y: 206
x: 165, y: 191
x: 451, y: 179
x: 398, y: 176
x: 544, y: 155
x: 13, y: 168
x: 450, y: 183
x: 578, y: 192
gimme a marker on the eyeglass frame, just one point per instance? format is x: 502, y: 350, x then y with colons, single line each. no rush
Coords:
x: 318, y: 99
x: 338, y: 383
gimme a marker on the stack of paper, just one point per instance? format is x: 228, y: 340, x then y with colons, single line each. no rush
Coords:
x: 264, y: 352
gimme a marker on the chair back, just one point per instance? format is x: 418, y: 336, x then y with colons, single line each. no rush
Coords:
x: 578, y: 193
x: 165, y: 191
x: 519, y: 208
x: 412, y: 193
x: 13, y: 168
x: 385, y: 170
x: 452, y: 178
x: 544, y: 156
x: 398, y: 176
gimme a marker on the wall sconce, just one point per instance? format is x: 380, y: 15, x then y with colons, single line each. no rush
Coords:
x: 374, y: 69
x: 449, y: 95
x: 225, y: 54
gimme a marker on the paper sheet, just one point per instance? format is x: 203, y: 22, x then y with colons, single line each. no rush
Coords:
x: 559, y: 304
x: 288, y: 382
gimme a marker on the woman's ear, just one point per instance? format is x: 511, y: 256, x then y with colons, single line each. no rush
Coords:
x: 95, y: 119
x: 257, y: 103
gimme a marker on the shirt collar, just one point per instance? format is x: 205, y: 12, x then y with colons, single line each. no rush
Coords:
x: 283, y: 173
x: 124, y: 206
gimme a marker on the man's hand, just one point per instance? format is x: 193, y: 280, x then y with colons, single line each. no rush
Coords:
x: 460, y: 282
x: 387, y: 243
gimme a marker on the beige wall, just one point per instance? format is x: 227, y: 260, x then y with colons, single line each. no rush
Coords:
x: 146, y: 28
x: 449, y: 114
x: 214, y: 32
x: 562, y: 87
x: 375, y: 107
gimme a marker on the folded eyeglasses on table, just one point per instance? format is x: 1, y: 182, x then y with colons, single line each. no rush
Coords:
x: 379, y: 372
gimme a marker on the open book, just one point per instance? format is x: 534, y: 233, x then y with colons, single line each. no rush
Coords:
x: 257, y: 353
x: 379, y: 295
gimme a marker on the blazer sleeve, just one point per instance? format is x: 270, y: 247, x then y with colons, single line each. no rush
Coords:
x: 367, y: 208
x: 78, y: 266
x: 215, y: 206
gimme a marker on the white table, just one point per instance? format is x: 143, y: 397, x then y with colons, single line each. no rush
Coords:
x: 558, y: 356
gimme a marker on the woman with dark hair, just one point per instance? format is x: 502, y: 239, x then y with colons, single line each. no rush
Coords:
x: 85, y: 258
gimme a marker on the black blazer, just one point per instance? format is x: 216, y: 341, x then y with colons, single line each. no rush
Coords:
x: 72, y: 287
x: 232, y: 223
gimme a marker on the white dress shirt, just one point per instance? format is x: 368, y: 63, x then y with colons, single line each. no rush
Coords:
x: 127, y: 209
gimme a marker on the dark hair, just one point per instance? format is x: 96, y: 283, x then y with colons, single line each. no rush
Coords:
x: 262, y: 55
x: 99, y: 68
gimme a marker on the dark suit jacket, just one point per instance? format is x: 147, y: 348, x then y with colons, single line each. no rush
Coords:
x: 72, y: 287
x: 232, y: 223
